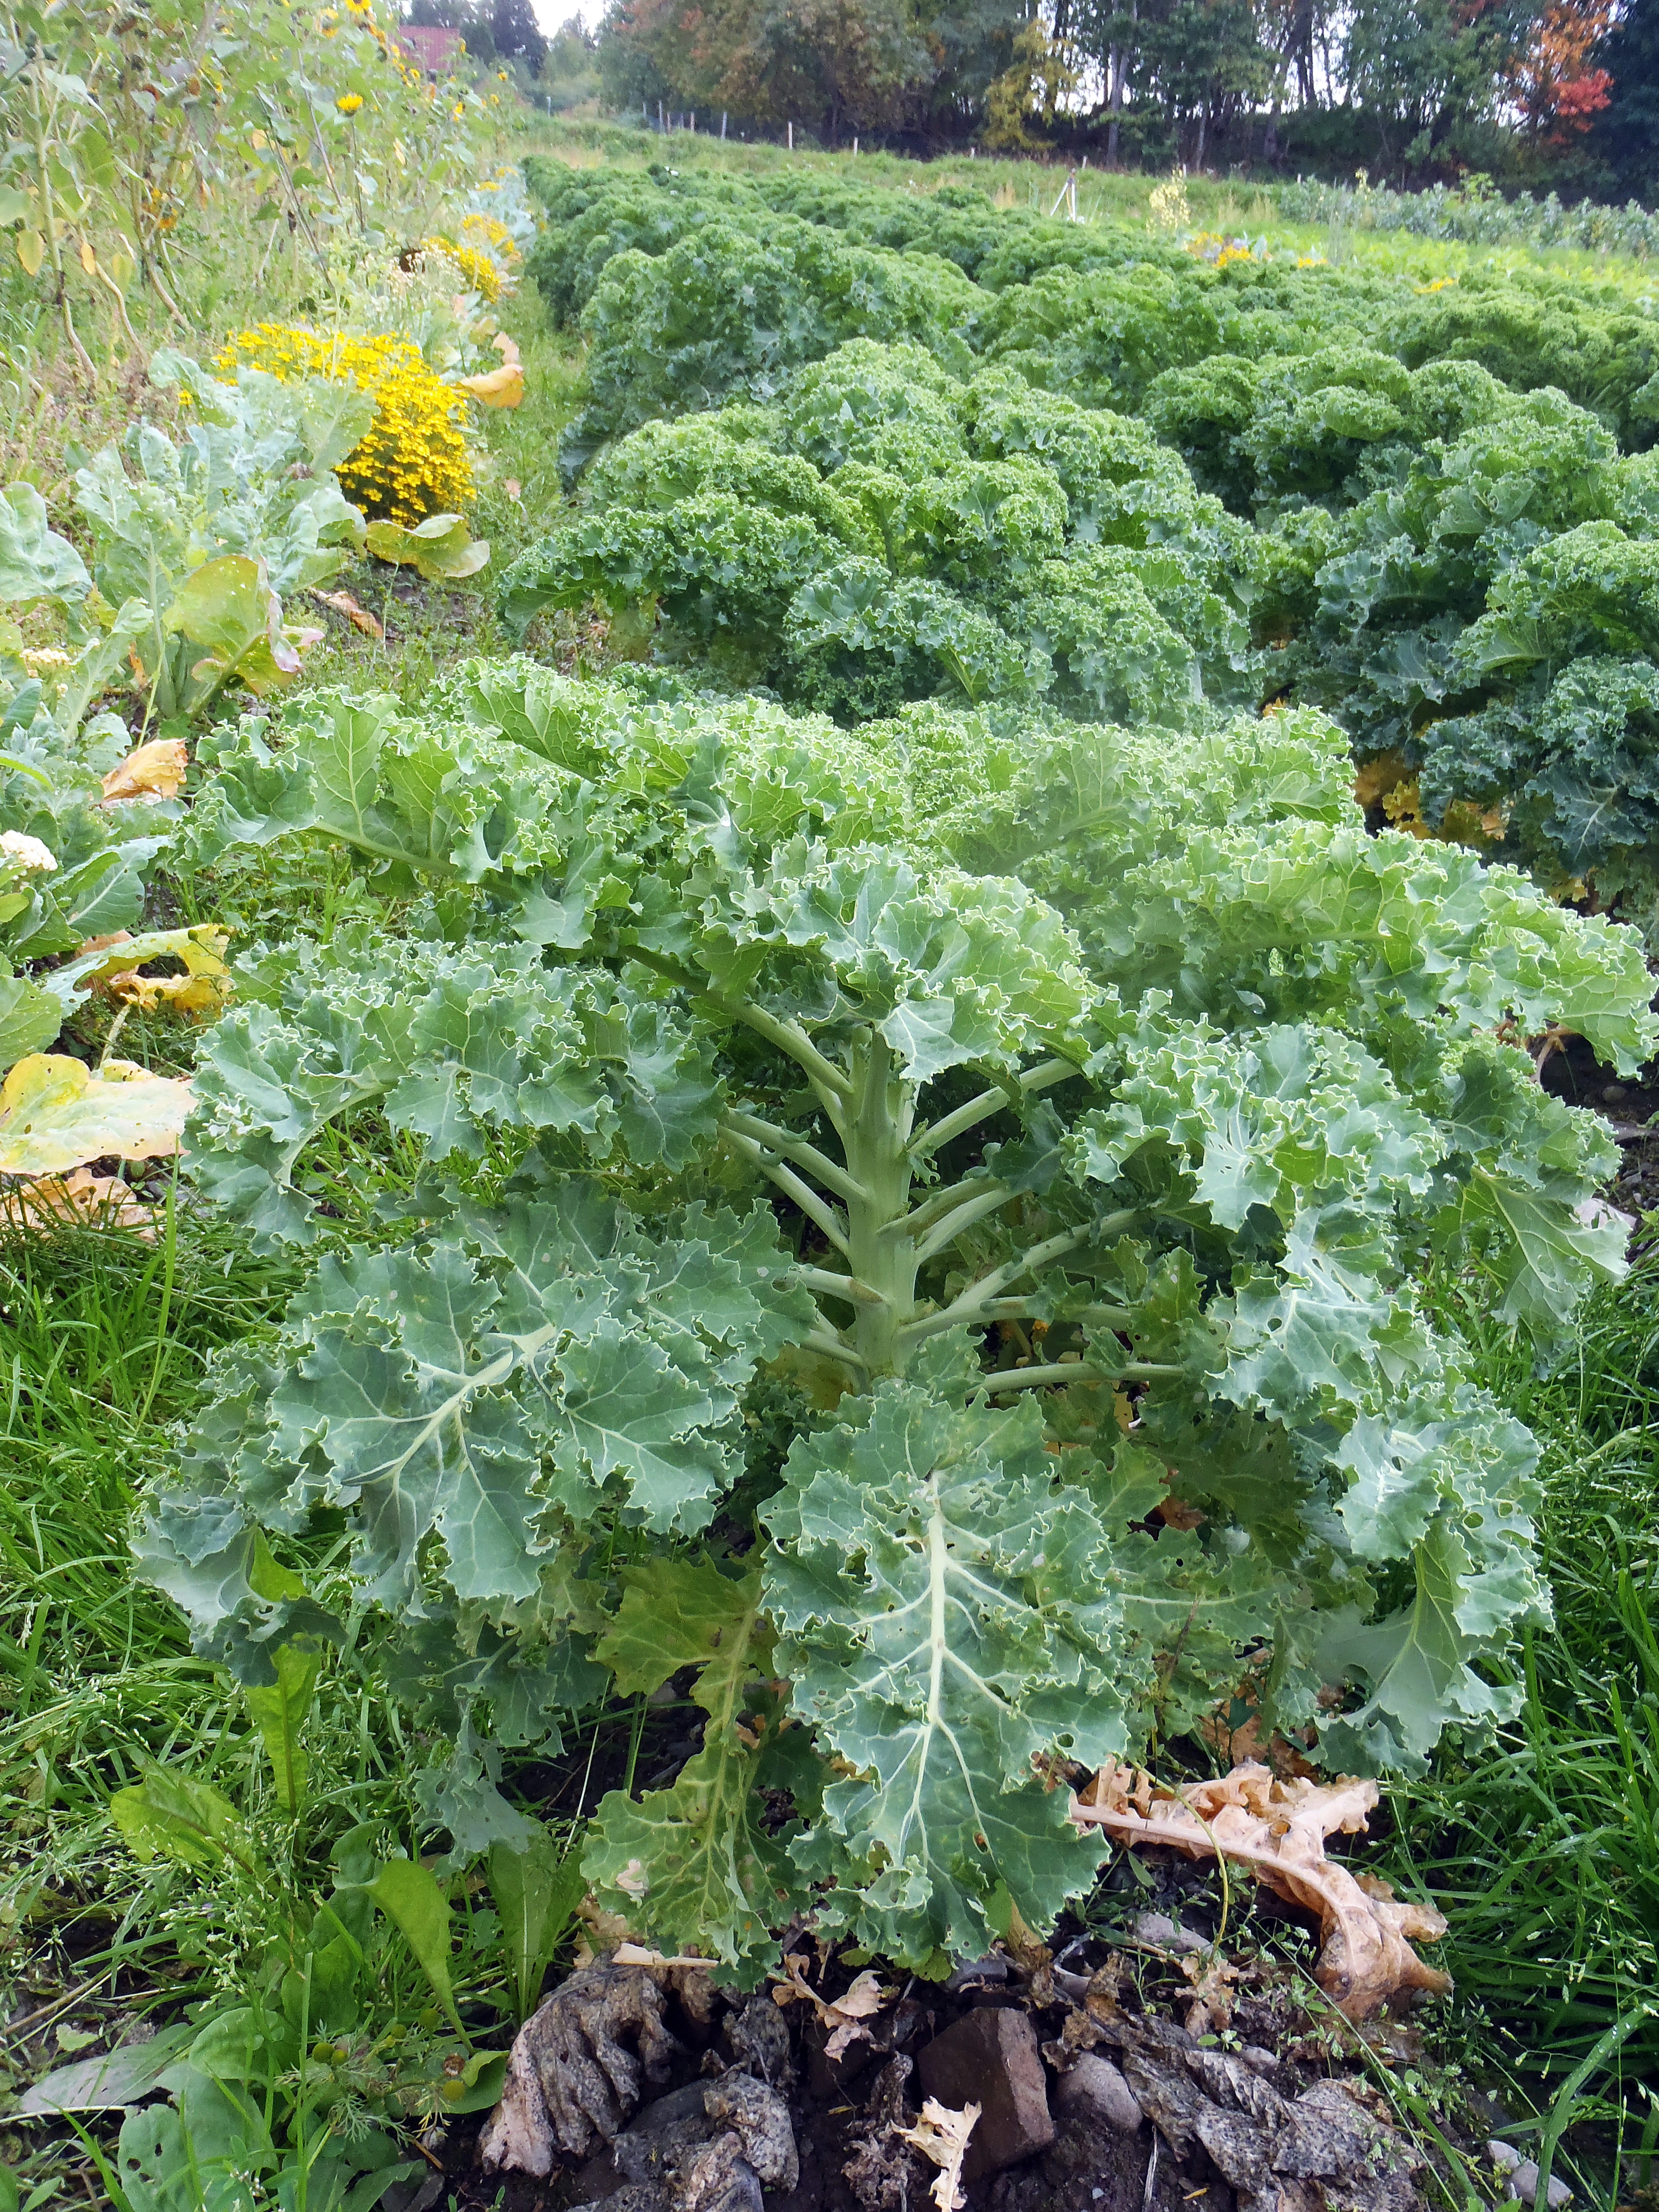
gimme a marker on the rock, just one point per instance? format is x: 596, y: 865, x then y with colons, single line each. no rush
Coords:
x: 577, y: 2068
x: 1522, y: 2174
x: 761, y: 2120
x: 710, y: 2147
x: 1263, y: 2061
x: 758, y: 2039
x: 1096, y: 2090
x: 1157, y: 1928
x: 989, y: 2058
x: 718, y: 2178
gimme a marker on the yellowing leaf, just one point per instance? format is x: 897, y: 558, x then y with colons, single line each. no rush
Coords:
x: 31, y: 250
x: 497, y: 387
x: 80, y: 1200
x: 89, y: 258
x: 437, y: 548
x: 1378, y: 777
x: 55, y: 1114
x: 154, y: 771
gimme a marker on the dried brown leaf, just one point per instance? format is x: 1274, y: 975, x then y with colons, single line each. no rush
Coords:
x: 358, y: 615
x: 1278, y: 1829
x: 156, y: 770
x: 941, y: 2134
x: 845, y: 2015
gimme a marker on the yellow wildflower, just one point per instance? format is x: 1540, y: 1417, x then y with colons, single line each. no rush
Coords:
x: 350, y: 102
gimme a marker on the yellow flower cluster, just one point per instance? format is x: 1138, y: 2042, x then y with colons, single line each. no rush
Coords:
x: 1220, y: 253
x: 495, y: 236
x: 477, y: 270
x: 414, y: 461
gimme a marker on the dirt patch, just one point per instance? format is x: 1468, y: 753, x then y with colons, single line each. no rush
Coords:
x: 1279, y: 2113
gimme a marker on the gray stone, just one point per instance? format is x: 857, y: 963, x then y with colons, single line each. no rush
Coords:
x: 761, y: 2119
x: 1158, y: 1929
x: 1522, y: 2174
x: 1096, y: 2090
x: 989, y: 2058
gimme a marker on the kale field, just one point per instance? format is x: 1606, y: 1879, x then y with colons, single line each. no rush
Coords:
x: 932, y: 1097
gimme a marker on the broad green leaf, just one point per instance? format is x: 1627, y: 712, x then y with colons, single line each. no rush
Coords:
x: 279, y: 1713
x: 697, y: 1865
x: 170, y: 1815
x: 942, y: 1606
x: 30, y: 1018
x: 438, y: 548
x: 408, y: 1895
x: 536, y: 1892
x: 35, y: 563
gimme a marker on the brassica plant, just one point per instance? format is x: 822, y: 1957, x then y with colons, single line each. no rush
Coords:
x: 1041, y: 1129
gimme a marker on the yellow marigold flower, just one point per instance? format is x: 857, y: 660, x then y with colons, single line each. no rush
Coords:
x: 480, y: 273
x: 350, y: 102
x: 413, y: 460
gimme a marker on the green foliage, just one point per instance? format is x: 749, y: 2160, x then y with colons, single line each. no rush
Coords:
x: 1141, y: 1043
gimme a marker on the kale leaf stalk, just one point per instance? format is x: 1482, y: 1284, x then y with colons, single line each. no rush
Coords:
x: 865, y: 1211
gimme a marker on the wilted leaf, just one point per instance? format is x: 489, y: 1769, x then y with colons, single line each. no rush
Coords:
x: 845, y: 2015
x: 79, y: 1200
x: 1278, y: 1829
x: 941, y: 2134
x: 202, y: 989
x: 156, y: 770
x: 358, y: 616
x: 106, y: 960
x: 55, y: 1114
x: 496, y: 387
x: 437, y: 548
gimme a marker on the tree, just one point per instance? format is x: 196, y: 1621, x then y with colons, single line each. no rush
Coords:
x: 1422, y: 68
x: 517, y: 34
x: 1625, y: 133
x: 1559, y: 86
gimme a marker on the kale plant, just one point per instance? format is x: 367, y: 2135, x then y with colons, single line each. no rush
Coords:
x: 1070, y: 1115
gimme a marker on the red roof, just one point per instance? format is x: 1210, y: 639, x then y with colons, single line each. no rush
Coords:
x: 437, y: 50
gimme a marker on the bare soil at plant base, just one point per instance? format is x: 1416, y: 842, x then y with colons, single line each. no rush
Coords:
x: 1220, y: 2102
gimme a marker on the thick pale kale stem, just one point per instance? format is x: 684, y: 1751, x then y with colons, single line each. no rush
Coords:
x: 789, y: 1146
x: 974, y: 1205
x: 1071, y: 1371
x: 1041, y: 1078
x: 934, y: 1208
x: 814, y: 1208
x: 977, y: 1302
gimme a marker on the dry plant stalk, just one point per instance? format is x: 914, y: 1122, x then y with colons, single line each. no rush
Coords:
x: 1278, y: 1829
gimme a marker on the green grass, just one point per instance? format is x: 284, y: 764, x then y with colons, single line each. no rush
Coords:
x: 1542, y: 1848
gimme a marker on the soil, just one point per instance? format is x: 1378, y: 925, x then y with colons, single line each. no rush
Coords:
x: 1128, y: 2004
x: 1629, y: 1104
